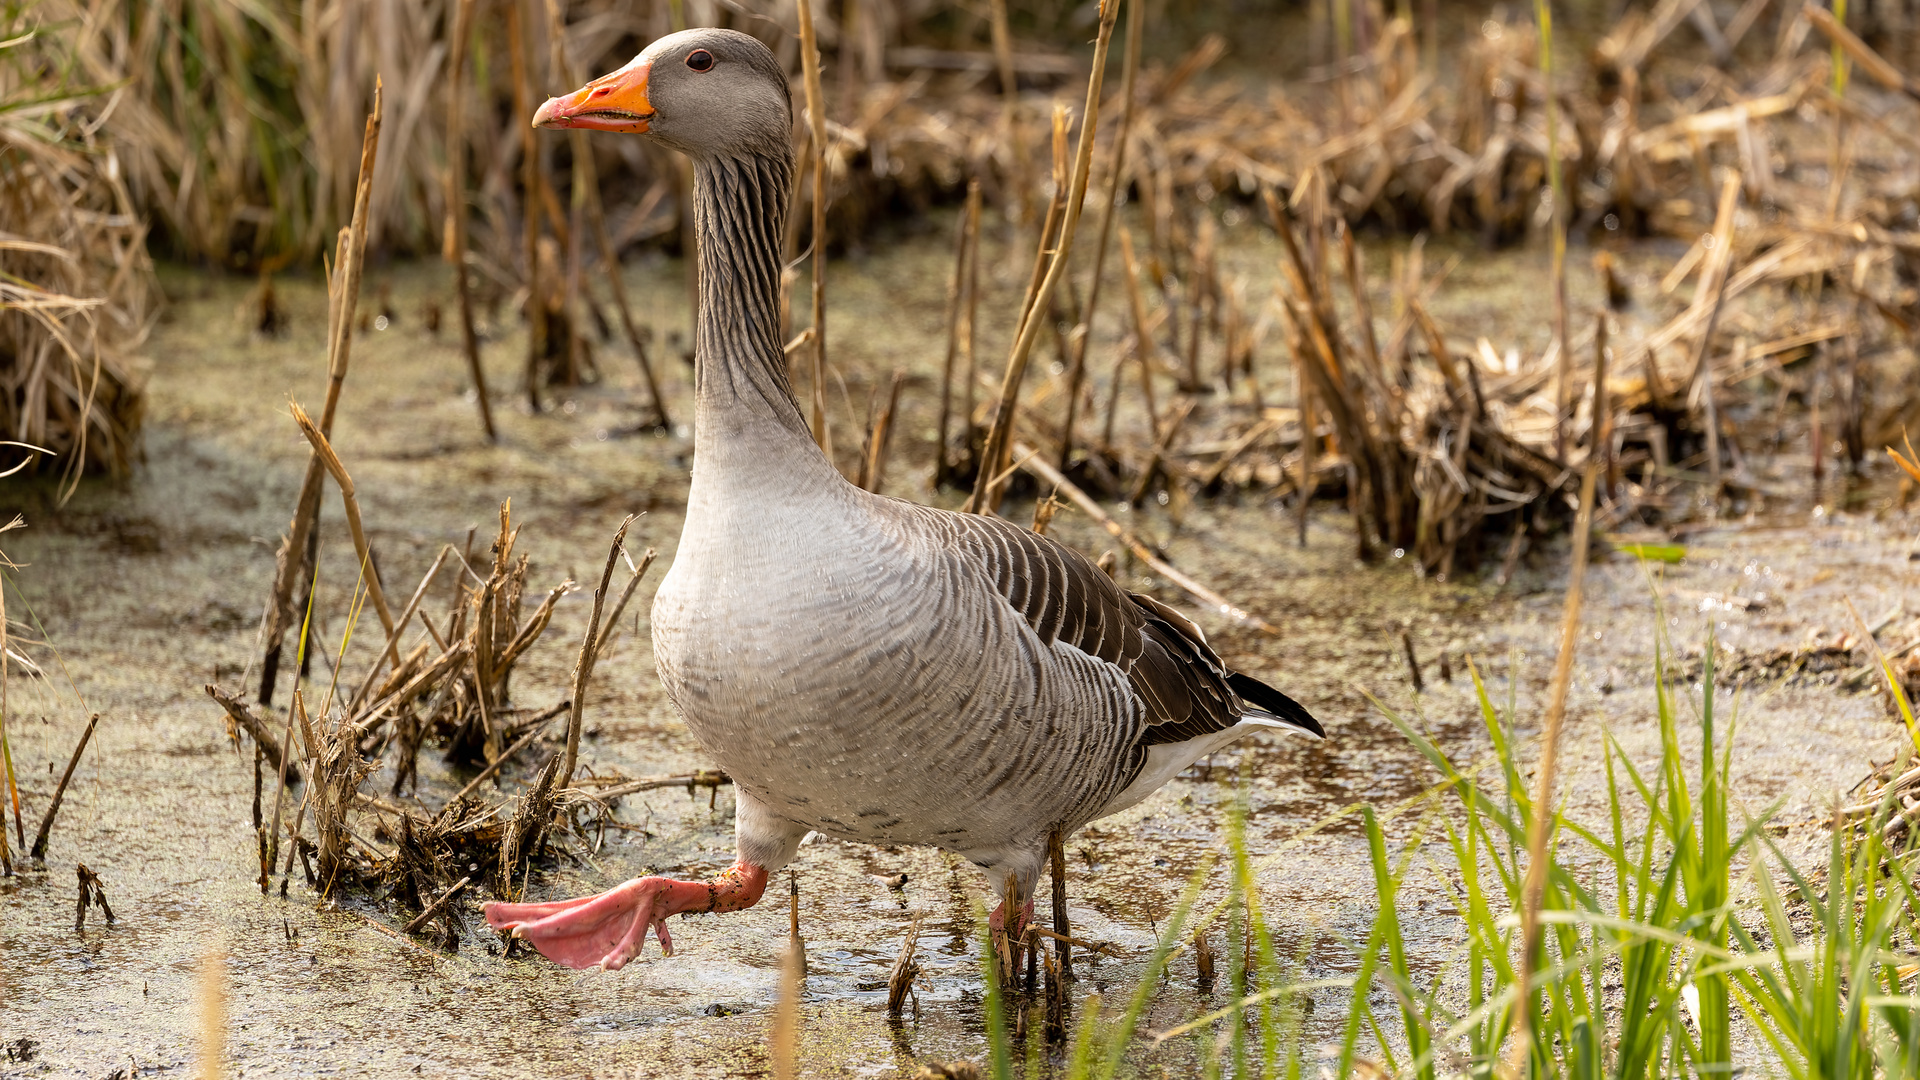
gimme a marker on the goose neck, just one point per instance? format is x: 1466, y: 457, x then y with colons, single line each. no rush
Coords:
x: 744, y: 406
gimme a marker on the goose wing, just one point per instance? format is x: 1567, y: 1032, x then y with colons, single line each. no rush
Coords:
x: 1186, y: 690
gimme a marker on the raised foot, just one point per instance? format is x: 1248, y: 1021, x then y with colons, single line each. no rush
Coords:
x: 608, y: 930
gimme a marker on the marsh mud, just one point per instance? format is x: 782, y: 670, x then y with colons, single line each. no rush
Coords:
x: 150, y: 588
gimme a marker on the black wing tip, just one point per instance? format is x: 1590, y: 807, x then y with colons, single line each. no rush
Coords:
x: 1278, y: 705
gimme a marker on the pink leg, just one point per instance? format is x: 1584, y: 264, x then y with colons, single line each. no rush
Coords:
x: 998, y: 920
x: 608, y: 930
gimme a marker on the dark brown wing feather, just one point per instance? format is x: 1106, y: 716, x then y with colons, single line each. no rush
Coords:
x: 1187, y: 691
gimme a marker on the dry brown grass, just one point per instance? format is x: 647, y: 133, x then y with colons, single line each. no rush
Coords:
x: 76, y: 288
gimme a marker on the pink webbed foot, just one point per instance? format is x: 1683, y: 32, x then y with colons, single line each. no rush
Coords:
x: 608, y: 930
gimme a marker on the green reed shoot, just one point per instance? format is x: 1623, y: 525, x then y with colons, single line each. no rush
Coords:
x: 1681, y: 940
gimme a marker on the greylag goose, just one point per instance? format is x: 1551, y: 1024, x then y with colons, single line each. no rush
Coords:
x: 870, y: 668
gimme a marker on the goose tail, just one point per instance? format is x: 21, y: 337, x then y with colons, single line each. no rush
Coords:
x: 1267, y: 703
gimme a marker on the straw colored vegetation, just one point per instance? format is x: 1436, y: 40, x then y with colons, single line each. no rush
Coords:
x: 1646, y: 944
x: 76, y: 289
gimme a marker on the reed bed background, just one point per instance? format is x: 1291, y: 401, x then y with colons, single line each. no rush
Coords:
x: 76, y: 288
x: 229, y: 130
x: 232, y: 128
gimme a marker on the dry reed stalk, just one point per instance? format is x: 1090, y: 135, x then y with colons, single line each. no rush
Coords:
x: 1199, y: 297
x: 1362, y: 307
x: 817, y: 262
x: 1029, y: 460
x: 1539, y: 826
x: 583, y: 180
x: 1876, y: 66
x: 999, y: 435
x: 610, y: 258
x: 988, y: 479
x: 39, y: 851
x: 1563, y: 385
x: 1057, y: 870
x: 966, y: 231
x: 76, y: 286
x: 1602, y: 433
x: 1144, y: 348
x: 369, y: 573
x: 213, y: 1013
x: 343, y: 294
x: 427, y: 914
x: 590, y: 654
x: 1083, y: 334
x: 1010, y: 110
x: 455, y: 232
x: 1309, y: 439
x: 1169, y: 431
x: 900, y: 977
x: 400, y: 625
x: 873, y: 463
x: 796, y: 948
x: 530, y: 189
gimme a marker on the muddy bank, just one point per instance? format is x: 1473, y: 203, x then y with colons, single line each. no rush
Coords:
x: 151, y: 589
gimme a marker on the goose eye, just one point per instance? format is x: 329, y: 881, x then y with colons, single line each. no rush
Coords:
x: 700, y: 60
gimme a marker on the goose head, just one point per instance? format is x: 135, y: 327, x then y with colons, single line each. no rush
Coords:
x: 707, y: 93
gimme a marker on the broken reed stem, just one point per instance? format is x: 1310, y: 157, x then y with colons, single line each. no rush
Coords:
x: 998, y: 436
x: 455, y: 246
x: 965, y: 232
x: 900, y: 979
x: 1563, y: 394
x: 1029, y: 460
x: 1539, y: 825
x: 368, y: 574
x: 39, y: 852
x: 1083, y: 334
x: 253, y: 726
x: 613, y: 617
x: 880, y: 437
x: 817, y: 139
x: 796, y: 948
x: 589, y: 655
x: 426, y: 915
x: 343, y: 295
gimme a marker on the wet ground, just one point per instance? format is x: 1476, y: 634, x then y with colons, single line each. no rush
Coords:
x: 151, y: 588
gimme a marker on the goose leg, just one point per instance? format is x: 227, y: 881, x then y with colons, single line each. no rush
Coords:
x: 609, y: 929
x: 998, y: 920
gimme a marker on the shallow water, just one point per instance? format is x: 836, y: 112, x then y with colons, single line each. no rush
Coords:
x: 152, y: 588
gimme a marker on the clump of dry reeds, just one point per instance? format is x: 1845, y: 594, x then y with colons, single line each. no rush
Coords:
x: 76, y: 288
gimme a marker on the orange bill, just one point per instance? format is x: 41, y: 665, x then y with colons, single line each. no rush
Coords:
x: 616, y: 102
